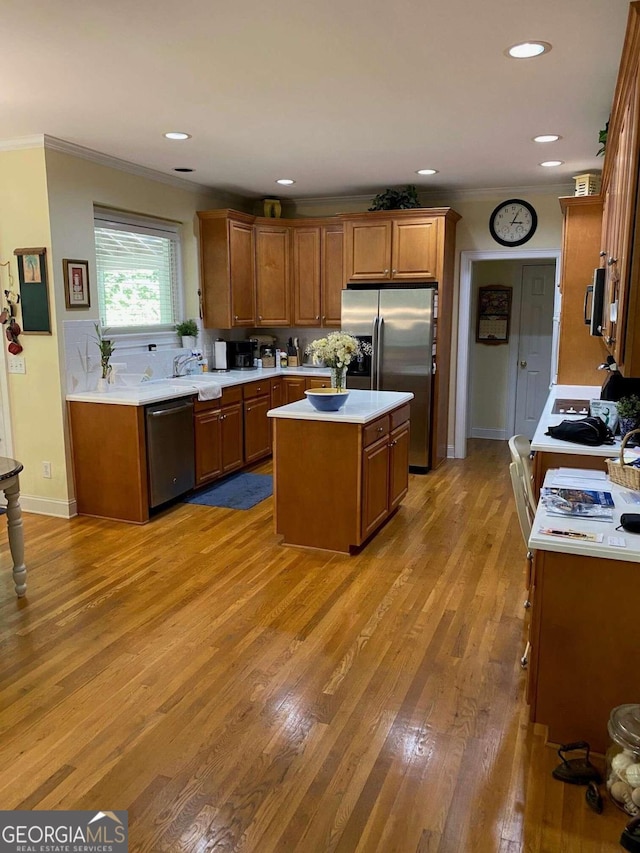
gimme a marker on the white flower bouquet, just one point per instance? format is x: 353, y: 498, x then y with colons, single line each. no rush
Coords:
x: 337, y: 349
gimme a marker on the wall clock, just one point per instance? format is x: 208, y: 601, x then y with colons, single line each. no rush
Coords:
x: 513, y: 222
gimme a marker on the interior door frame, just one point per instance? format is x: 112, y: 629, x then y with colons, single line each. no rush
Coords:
x: 465, y: 328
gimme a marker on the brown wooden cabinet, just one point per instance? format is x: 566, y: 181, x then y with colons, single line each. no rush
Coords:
x: 385, y: 469
x: 276, y: 393
x: 219, y: 445
x: 227, y: 271
x: 273, y: 284
x: 621, y: 225
x: 392, y: 249
x: 318, y: 382
x: 579, y: 353
x: 257, y: 428
x: 293, y: 388
x: 317, y: 274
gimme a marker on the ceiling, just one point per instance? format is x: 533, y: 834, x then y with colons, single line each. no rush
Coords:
x: 345, y: 96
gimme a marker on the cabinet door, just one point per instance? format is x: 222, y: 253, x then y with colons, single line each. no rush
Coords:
x: 332, y: 271
x: 306, y: 276
x: 232, y: 438
x: 398, y: 465
x: 208, y: 446
x: 241, y: 270
x: 293, y: 388
x: 319, y: 382
x: 257, y: 429
x: 367, y: 251
x: 273, y: 302
x: 414, y: 254
x: 375, y: 486
x: 276, y: 393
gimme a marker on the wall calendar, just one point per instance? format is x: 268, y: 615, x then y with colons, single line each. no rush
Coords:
x: 494, y: 314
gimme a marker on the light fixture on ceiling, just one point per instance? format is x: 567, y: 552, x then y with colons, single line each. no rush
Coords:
x: 547, y: 137
x: 426, y: 171
x: 286, y: 182
x: 548, y: 164
x: 528, y: 49
x: 177, y: 134
x: 183, y: 169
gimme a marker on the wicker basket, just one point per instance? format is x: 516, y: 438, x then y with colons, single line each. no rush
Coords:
x: 623, y: 473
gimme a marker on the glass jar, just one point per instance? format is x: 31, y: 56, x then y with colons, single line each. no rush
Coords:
x: 623, y: 758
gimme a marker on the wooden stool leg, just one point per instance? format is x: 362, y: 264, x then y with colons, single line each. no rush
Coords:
x: 16, y: 537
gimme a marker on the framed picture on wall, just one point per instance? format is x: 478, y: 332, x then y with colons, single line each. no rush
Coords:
x: 494, y: 314
x: 76, y: 283
x: 34, y: 295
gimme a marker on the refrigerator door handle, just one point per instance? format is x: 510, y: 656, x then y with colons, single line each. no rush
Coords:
x: 375, y: 343
x: 379, y: 353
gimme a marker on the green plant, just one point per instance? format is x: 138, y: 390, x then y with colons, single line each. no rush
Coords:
x: 402, y: 199
x: 602, y: 139
x: 187, y: 329
x: 629, y: 407
x: 106, y: 348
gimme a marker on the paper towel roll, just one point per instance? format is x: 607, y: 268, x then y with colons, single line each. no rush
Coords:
x: 220, y: 355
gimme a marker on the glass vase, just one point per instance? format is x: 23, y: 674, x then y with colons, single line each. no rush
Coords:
x: 339, y: 378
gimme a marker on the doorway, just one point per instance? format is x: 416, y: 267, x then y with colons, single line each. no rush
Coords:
x: 508, y: 360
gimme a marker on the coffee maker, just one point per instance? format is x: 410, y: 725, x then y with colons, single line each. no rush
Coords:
x: 240, y: 355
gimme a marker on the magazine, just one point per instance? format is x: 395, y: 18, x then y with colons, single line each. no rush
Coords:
x: 578, y: 503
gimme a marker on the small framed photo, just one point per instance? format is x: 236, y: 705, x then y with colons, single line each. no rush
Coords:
x: 76, y: 283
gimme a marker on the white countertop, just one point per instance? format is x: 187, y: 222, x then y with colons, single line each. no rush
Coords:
x: 542, y: 442
x: 629, y: 553
x: 156, y: 390
x: 360, y: 408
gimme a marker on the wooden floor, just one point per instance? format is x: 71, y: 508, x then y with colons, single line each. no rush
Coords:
x: 235, y: 695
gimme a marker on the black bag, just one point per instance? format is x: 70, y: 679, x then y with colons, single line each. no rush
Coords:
x: 588, y: 430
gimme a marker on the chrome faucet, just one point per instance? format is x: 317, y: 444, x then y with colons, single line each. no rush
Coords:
x: 180, y: 362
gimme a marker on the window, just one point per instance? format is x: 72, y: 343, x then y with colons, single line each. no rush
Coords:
x: 138, y: 263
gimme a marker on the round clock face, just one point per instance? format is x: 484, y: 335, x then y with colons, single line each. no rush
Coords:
x: 513, y: 222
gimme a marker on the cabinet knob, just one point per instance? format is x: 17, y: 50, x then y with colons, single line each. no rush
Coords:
x: 323, y: 318
x: 259, y: 316
x: 612, y: 261
x: 317, y: 317
x: 236, y: 317
x: 386, y: 271
x: 248, y: 408
x: 222, y: 417
x: 394, y: 271
x: 603, y: 254
x: 380, y: 429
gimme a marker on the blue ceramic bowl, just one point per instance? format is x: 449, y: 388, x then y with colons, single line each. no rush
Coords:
x: 327, y: 399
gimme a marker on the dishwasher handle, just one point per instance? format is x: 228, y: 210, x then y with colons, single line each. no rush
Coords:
x: 161, y: 413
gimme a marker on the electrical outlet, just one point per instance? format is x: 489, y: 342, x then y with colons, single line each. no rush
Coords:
x: 16, y: 364
x: 46, y: 470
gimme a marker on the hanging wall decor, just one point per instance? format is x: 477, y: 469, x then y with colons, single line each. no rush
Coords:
x: 76, y: 283
x: 34, y: 296
x: 494, y: 314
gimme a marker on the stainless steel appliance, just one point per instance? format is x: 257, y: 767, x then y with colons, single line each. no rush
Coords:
x: 170, y: 450
x: 398, y: 322
x: 240, y: 355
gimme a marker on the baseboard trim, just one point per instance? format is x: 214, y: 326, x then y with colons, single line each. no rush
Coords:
x: 494, y: 434
x: 451, y: 451
x: 47, y: 506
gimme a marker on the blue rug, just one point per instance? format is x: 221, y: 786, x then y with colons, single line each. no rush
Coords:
x: 239, y: 491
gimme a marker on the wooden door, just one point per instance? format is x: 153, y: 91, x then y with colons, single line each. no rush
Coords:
x: 208, y: 447
x: 375, y: 485
x: 241, y: 270
x: 293, y: 388
x: 414, y: 255
x: 276, y: 393
x: 332, y: 272
x: 257, y: 429
x: 367, y: 251
x: 232, y: 438
x: 306, y: 276
x: 273, y: 302
x: 398, y: 465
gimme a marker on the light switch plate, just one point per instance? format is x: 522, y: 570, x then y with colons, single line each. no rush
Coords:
x: 16, y: 364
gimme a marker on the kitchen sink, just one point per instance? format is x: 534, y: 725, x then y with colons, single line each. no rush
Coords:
x: 198, y: 379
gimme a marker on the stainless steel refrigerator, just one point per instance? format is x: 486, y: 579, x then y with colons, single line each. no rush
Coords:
x: 398, y: 322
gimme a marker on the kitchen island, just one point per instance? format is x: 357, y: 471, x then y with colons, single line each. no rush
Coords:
x: 338, y: 476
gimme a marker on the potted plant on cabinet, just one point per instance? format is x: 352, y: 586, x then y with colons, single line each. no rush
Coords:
x: 188, y: 331
x: 629, y: 414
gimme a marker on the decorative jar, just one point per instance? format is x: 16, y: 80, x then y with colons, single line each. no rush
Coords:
x: 623, y: 758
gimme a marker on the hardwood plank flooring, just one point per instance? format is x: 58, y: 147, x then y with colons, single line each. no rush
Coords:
x: 236, y: 695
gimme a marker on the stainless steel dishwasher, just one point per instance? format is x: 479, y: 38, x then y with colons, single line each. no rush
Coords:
x: 170, y: 450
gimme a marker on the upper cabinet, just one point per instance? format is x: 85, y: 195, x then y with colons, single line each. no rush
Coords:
x: 621, y: 226
x: 273, y: 287
x: 317, y: 274
x: 381, y: 247
x: 227, y: 268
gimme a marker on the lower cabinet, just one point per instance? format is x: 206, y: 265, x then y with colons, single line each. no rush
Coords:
x: 219, y: 445
x: 257, y: 428
x: 385, y: 471
x: 293, y: 388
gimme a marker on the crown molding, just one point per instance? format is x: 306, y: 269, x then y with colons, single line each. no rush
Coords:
x: 36, y: 140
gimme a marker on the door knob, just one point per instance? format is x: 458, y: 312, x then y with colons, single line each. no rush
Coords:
x: 523, y: 364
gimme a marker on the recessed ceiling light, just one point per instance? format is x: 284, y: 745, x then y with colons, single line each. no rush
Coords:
x: 182, y: 169
x: 527, y: 49
x: 286, y: 182
x: 177, y: 134
x: 547, y: 137
x: 549, y: 163
x: 426, y: 172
